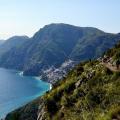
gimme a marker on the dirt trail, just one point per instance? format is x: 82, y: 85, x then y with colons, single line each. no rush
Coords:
x: 112, y: 68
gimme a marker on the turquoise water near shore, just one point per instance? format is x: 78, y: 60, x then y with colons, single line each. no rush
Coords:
x: 17, y: 90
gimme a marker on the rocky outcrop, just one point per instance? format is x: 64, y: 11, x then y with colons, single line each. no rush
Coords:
x: 41, y: 112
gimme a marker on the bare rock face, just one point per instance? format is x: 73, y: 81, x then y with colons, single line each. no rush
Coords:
x: 91, y: 74
x: 41, y: 112
x: 78, y: 83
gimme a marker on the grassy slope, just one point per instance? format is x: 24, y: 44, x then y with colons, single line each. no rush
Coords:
x: 97, y: 97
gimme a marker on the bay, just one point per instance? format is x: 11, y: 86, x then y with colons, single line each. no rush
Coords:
x: 17, y: 90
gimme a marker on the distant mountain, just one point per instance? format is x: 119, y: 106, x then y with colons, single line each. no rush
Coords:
x: 1, y: 42
x: 91, y: 91
x: 13, y: 42
x: 55, y: 44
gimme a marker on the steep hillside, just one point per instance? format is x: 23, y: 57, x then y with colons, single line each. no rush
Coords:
x: 91, y: 91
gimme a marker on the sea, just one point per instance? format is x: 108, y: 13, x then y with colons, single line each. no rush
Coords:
x: 17, y: 90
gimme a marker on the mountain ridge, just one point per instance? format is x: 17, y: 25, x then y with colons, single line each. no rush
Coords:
x: 54, y: 44
x: 12, y: 42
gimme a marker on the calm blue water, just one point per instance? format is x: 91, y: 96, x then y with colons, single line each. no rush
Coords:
x: 16, y: 90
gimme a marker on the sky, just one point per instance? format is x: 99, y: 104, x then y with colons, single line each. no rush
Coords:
x: 25, y: 17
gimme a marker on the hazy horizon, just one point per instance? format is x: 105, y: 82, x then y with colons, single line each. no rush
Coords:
x: 27, y: 17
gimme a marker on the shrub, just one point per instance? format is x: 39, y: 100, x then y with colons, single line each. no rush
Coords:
x: 64, y: 101
x: 70, y: 86
x: 115, y: 113
x: 108, y: 71
x: 50, y: 105
x: 95, y: 97
x: 79, y: 70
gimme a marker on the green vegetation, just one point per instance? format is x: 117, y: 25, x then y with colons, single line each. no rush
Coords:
x: 114, y: 53
x: 90, y: 92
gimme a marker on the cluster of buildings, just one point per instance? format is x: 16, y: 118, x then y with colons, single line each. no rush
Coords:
x: 54, y: 74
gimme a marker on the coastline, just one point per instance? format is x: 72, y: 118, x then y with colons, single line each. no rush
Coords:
x: 38, y: 78
x: 50, y: 86
x: 21, y: 73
